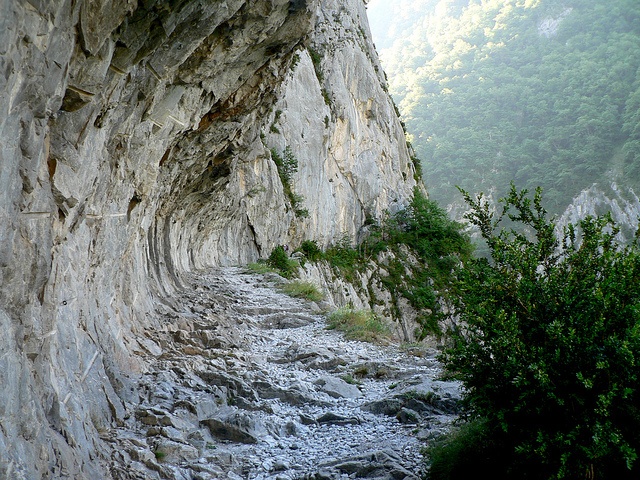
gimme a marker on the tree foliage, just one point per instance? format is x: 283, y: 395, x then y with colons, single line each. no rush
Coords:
x: 547, y: 343
x: 426, y: 228
x: 489, y: 95
x: 437, y: 243
x: 279, y: 259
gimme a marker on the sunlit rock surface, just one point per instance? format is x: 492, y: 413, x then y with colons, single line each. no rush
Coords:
x: 621, y: 203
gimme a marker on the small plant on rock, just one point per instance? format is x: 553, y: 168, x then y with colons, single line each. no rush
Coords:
x: 306, y: 290
x: 279, y: 260
x: 287, y: 165
x: 359, y: 324
x: 311, y: 250
x: 350, y: 379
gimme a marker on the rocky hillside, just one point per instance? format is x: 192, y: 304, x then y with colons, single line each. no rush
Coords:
x: 137, y: 144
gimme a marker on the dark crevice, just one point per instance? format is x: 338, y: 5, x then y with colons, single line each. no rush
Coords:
x: 254, y: 235
x: 165, y: 157
x: 52, y: 164
x: 133, y: 203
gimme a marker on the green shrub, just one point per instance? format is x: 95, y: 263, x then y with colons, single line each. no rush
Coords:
x: 294, y: 61
x: 350, y: 379
x: 326, y: 97
x: 430, y: 398
x: 361, y: 325
x: 316, y: 59
x: 422, y: 231
x: 296, y: 202
x: 306, y: 290
x: 427, y: 229
x: 345, y: 258
x: 287, y: 165
x: 302, y: 212
x: 467, y: 450
x: 548, y: 341
x: 279, y: 260
x: 311, y: 250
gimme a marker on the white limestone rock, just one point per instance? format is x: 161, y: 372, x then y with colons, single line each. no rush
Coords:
x: 130, y: 154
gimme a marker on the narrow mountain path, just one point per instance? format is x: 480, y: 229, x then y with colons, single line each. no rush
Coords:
x: 251, y: 385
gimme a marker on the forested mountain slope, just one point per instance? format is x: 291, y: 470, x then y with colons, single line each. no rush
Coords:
x: 535, y: 91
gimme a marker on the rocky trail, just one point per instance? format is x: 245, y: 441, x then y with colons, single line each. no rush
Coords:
x: 249, y: 384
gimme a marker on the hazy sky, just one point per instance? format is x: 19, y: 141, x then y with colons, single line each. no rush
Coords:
x: 384, y: 14
x: 377, y: 10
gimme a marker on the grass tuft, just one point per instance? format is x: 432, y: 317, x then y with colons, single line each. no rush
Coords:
x: 361, y: 325
x: 300, y: 289
x: 261, y: 267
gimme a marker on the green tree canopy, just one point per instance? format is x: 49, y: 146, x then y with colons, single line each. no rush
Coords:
x: 537, y: 91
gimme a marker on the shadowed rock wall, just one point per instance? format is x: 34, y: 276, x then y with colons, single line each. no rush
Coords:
x: 131, y: 152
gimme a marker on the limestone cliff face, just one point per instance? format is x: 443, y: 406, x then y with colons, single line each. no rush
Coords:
x: 130, y: 153
x: 341, y: 126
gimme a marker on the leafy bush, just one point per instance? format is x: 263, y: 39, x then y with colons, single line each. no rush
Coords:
x: 311, y: 250
x: 279, y: 260
x: 350, y: 380
x: 316, y: 59
x: 286, y: 164
x: 294, y: 61
x: 296, y: 202
x: 548, y: 343
x: 468, y: 449
x: 344, y: 258
x: 423, y: 231
x: 428, y: 230
x: 306, y: 290
x: 439, y: 245
x: 356, y: 324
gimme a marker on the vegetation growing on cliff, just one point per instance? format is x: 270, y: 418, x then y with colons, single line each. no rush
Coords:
x: 306, y: 290
x: 547, y: 346
x: 417, y: 248
x: 287, y: 165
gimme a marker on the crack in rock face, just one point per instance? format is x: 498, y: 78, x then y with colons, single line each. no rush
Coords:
x: 298, y: 401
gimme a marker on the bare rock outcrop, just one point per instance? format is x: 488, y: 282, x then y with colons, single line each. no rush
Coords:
x: 130, y: 153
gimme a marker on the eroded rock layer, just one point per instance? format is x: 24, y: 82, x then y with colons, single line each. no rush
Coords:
x: 131, y: 152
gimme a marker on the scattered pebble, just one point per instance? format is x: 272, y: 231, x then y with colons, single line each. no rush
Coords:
x: 264, y: 397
